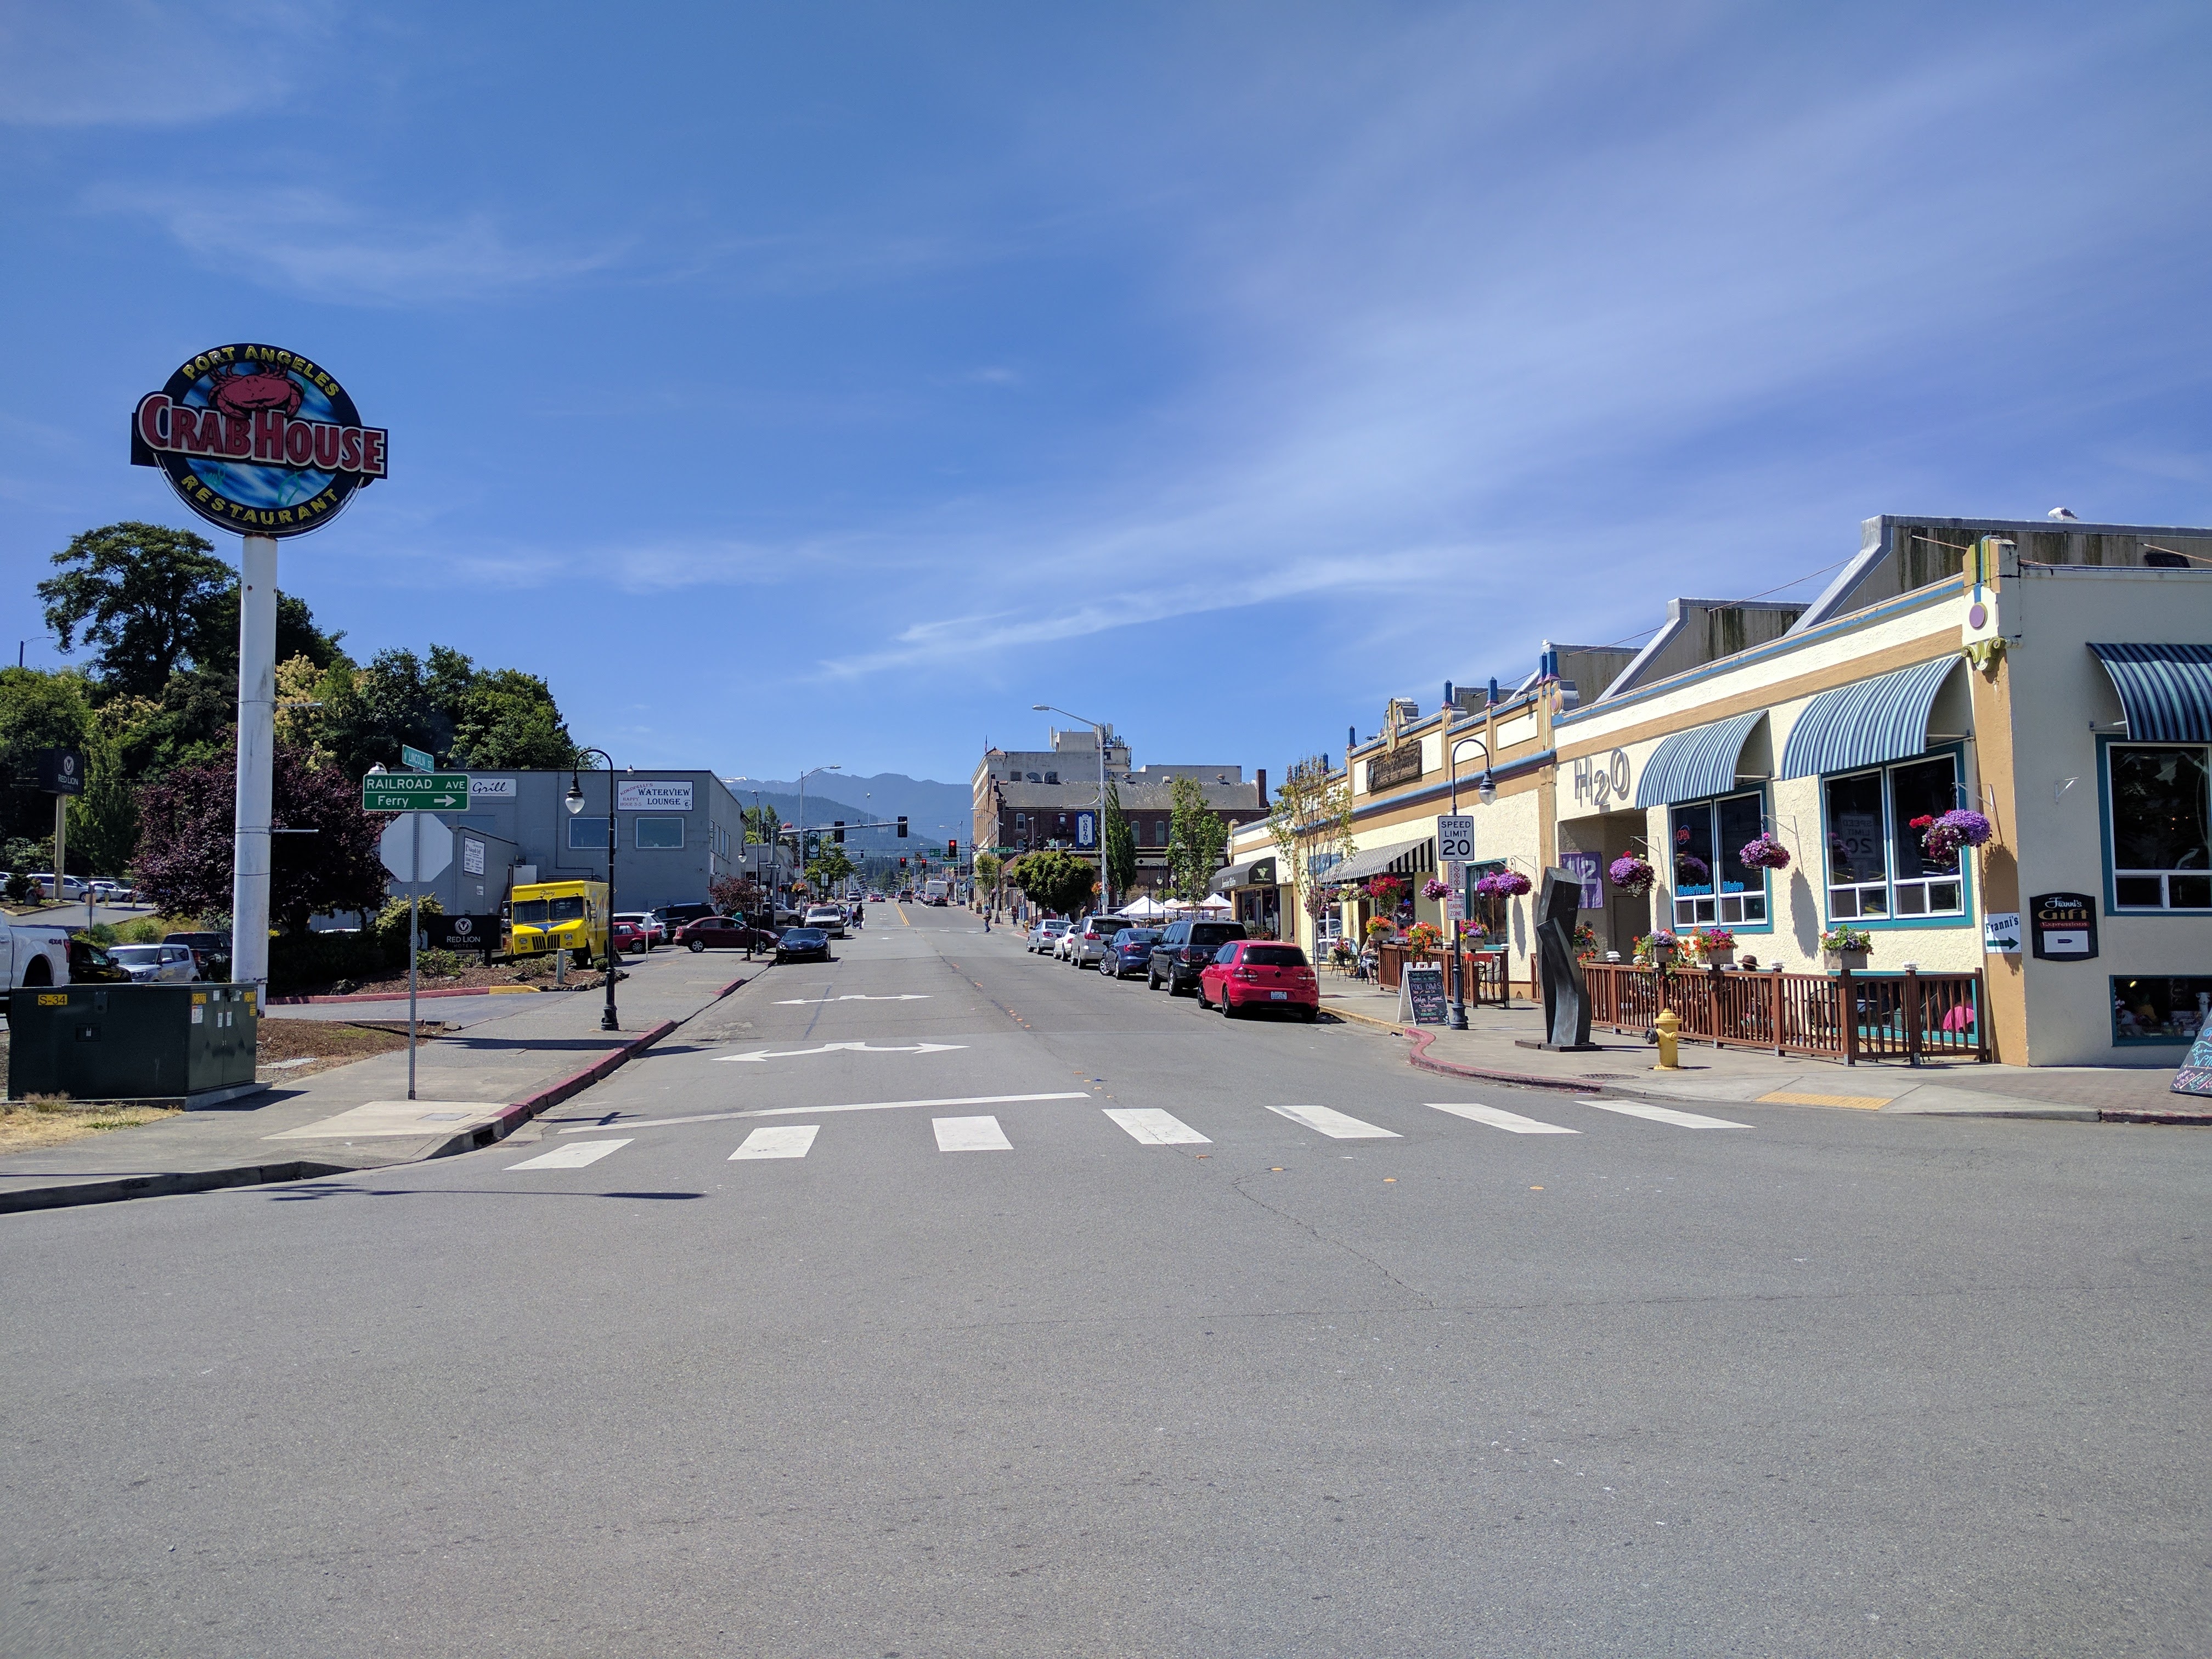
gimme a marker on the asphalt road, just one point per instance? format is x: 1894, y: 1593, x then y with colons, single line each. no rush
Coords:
x: 1828, y: 1383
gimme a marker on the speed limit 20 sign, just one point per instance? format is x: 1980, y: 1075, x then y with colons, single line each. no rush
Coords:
x: 1455, y: 839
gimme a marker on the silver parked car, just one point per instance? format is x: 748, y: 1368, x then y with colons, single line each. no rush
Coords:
x: 150, y: 964
x: 1046, y: 934
x: 1090, y: 939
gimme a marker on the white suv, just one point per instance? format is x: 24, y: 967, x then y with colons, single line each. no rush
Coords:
x: 830, y: 918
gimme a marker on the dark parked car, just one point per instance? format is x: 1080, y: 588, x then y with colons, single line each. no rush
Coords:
x: 803, y: 944
x: 91, y: 965
x: 1131, y: 952
x: 1184, y: 950
x: 724, y: 933
x: 210, y: 954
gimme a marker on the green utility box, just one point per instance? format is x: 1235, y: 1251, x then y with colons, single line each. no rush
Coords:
x: 192, y: 1042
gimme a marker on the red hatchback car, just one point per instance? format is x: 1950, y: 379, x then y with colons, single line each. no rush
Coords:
x: 1256, y: 973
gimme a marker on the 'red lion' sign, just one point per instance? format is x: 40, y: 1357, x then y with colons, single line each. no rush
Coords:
x: 258, y: 440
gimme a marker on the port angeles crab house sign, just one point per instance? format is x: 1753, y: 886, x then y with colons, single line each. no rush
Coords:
x: 258, y: 440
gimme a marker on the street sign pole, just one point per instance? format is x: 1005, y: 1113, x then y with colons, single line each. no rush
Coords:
x: 1454, y: 850
x: 414, y: 937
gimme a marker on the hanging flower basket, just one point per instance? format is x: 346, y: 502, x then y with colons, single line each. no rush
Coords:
x: 1435, y: 887
x: 1633, y: 876
x: 1764, y: 853
x: 1942, y: 837
x: 1385, y: 889
x: 1502, y: 884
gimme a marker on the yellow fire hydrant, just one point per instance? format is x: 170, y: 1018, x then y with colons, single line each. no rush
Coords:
x: 1669, y: 1023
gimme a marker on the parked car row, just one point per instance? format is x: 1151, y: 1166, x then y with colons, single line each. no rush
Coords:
x: 102, y: 890
x: 1215, y: 959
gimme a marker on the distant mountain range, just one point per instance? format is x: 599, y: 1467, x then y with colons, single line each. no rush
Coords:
x: 934, y: 811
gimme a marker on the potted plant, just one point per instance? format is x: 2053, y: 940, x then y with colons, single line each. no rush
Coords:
x: 1585, y: 942
x: 1378, y: 929
x: 1765, y: 853
x: 1845, y: 947
x: 1657, y: 948
x: 1423, y: 936
x: 1383, y: 891
x: 1632, y: 875
x: 1502, y: 884
x: 1714, y: 946
x: 1435, y: 887
x: 1942, y: 837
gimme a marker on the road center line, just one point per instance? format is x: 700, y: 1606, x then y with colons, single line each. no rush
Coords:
x: 810, y: 1111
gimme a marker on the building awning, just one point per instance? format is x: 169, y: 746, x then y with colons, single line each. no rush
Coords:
x: 2166, y: 689
x: 1866, y: 723
x: 1693, y: 764
x: 1403, y: 858
x: 1251, y: 872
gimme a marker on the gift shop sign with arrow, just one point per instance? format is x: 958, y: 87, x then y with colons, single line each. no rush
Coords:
x: 415, y: 792
x: 258, y: 440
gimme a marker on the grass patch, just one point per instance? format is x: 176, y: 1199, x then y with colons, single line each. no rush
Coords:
x: 55, y: 1120
x: 317, y: 1045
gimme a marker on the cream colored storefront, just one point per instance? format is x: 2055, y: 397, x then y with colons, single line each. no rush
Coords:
x: 2053, y: 701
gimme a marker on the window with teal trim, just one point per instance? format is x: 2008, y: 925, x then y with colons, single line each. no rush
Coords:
x: 1712, y: 884
x: 1879, y: 866
x: 2161, y: 842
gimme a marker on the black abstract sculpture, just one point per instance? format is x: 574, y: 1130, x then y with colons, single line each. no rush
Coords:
x: 1566, y: 994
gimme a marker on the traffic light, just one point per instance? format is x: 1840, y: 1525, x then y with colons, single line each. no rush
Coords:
x: 951, y: 849
x: 839, y: 828
x: 902, y: 834
x: 901, y: 864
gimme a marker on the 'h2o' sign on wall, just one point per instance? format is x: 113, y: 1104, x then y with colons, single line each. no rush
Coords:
x: 1600, y: 782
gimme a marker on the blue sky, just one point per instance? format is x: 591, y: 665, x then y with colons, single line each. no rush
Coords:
x: 799, y: 384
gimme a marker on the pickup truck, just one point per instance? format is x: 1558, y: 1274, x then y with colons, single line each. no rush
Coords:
x: 35, y: 953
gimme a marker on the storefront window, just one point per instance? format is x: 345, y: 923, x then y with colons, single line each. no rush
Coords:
x: 2160, y: 1008
x: 2160, y: 806
x: 587, y: 835
x: 1879, y: 867
x: 661, y: 833
x: 1712, y: 884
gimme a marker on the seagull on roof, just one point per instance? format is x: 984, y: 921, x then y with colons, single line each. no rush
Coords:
x: 2060, y: 513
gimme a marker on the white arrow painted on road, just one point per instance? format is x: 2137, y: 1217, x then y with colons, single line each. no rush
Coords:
x: 804, y: 1002
x: 845, y: 1048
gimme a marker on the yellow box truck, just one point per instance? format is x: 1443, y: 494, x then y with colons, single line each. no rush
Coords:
x: 545, y: 916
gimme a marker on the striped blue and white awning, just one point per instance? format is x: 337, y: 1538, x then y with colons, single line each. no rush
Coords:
x: 1691, y: 765
x: 1866, y: 723
x: 2166, y: 689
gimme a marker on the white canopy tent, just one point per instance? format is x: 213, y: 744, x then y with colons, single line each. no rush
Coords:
x: 1214, y: 905
x: 1144, y: 910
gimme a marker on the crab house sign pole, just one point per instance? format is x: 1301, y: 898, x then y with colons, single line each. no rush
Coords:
x: 265, y: 443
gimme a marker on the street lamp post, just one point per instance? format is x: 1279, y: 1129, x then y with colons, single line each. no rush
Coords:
x: 608, y: 1021
x: 833, y: 767
x: 1098, y: 731
x: 1485, y: 792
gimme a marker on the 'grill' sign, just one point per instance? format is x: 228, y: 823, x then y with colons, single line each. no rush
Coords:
x: 258, y: 440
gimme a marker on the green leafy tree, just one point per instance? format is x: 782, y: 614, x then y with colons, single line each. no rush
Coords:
x: 763, y: 825
x: 214, y: 644
x: 1196, y: 835
x: 1054, y: 880
x: 38, y: 710
x: 1121, y: 844
x: 829, y: 867
x: 1310, y: 823
x: 508, y: 721
x: 141, y: 594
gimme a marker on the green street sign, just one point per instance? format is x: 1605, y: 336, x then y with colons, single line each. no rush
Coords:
x: 415, y: 792
x: 416, y: 761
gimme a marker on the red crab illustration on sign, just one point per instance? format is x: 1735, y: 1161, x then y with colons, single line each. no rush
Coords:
x: 242, y: 389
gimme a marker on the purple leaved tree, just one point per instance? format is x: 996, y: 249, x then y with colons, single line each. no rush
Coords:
x: 184, y: 862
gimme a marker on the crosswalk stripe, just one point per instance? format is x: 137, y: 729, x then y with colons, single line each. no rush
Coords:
x: 1513, y: 1123
x: 970, y: 1134
x: 1335, y: 1125
x: 1156, y: 1129
x: 573, y: 1157
x: 778, y: 1140
x: 1665, y: 1114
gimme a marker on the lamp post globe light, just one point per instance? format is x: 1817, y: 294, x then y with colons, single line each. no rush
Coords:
x: 1097, y: 730
x: 1486, y: 791
x: 574, y: 800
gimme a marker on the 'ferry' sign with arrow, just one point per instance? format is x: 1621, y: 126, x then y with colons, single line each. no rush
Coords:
x: 415, y: 792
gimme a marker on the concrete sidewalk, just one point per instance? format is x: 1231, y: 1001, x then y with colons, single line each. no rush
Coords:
x: 1625, y: 1065
x: 471, y: 1089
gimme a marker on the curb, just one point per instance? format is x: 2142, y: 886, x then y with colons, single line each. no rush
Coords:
x: 261, y: 1174
x: 2188, y: 1119
x: 1421, y: 1062
x: 401, y: 996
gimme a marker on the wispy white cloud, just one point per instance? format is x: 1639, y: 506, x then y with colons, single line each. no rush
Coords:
x: 147, y: 62
x: 312, y: 242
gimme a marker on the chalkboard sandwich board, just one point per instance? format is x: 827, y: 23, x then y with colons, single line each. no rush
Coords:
x: 1422, y: 988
